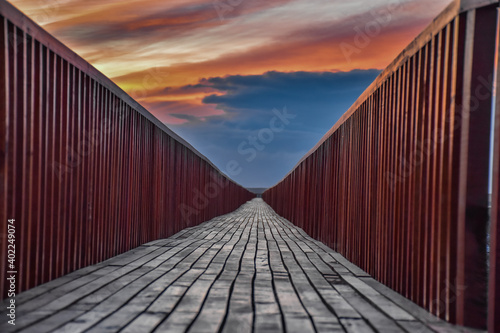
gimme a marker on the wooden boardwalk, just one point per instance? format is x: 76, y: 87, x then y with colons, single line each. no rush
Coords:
x: 247, y: 271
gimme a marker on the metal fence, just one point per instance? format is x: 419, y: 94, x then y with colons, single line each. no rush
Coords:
x: 85, y: 171
x: 400, y: 184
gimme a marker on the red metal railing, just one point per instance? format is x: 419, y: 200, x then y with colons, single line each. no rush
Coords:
x: 494, y: 267
x: 85, y: 171
x: 400, y: 184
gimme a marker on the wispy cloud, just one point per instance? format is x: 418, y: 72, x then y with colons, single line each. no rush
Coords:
x: 123, y: 37
x: 216, y: 78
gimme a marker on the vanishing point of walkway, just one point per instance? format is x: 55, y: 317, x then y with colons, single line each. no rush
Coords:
x: 247, y: 271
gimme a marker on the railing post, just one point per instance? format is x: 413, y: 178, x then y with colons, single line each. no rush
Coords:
x: 494, y: 273
x: 475, y: 113
x: 3, y: 149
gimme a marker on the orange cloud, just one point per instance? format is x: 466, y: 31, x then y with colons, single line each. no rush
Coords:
x: 304, y: 54
x: 286, y: 56
x: 152, y: 48
x: 179, y: 112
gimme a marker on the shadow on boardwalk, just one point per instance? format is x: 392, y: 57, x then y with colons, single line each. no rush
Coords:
x: 250, y: 270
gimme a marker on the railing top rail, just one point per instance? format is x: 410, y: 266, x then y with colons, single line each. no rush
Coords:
x: 15, y: 16
x: 445, y: 17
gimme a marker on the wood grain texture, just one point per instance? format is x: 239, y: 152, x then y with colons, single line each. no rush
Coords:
x: 247, y: 271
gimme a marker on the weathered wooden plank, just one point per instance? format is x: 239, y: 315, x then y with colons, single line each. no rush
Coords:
x: 370, y: 313
x: 250, y: 270
x: 268, y: 317
x: 213, y: 311
x: 356, y: 326
x: 240, y: 314
x: 27, y: 295
x: 295, y: 315
x: 43, y: 299
x: 383, y: 303
x: 51, y: 323
x: 402, y: 301
x: 319, y: 278
x: 303, y: 286
x: 71, y: 296
x: 181, y: 276
x: 190, y: 305
x: 116, y: 301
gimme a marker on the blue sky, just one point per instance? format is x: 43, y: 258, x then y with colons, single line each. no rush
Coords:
x: 313, y: 101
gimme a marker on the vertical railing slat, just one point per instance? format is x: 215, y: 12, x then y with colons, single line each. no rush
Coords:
x: 430, y: 146
x: 86, y: 172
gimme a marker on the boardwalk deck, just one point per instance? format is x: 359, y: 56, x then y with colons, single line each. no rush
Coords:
x: 250, y: 270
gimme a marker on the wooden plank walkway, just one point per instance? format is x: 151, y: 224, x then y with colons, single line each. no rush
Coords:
x: 247, y: 271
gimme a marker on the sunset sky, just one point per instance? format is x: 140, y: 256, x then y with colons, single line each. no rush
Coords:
x: 218, y: 71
